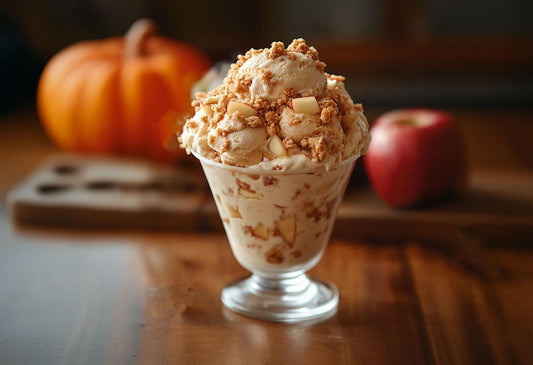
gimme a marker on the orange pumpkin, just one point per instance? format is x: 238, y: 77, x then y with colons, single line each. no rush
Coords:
x: 119, y: 95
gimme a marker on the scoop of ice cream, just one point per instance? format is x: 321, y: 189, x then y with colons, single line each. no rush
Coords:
x: 241, y: 145
x: 353, y: 121
x: 277, y: 109
x: 268, y: 76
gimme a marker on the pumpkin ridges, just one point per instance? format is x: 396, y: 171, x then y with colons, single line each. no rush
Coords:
x: 69, y: 58
x: 156, y: 102
x: 162, y: 86
x: 61, y: 65
x: 198, y: 66
x: 97, y: 133
x: 165, y: 68
x: 180, y: 83
x: 52, y: 81
x: 161, y: 60
x: 130, y: 121
x: 138, y: 94
x: 64, y: 130
x: 119, y: 122
x: 65, y: 61
x: 188, y: 58
x: 116, y: 111
x: 91, y: 99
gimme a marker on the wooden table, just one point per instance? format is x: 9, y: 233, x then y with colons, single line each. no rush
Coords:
x: 85, y: 297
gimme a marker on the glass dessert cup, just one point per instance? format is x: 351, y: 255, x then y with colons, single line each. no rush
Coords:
x: 278, y: 224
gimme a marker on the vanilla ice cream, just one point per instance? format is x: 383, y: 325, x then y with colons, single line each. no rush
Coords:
x: 277, y: 141
x: 277, y: 110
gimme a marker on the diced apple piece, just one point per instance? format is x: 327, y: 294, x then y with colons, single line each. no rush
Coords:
x: 234, y: 212
x: 246, y: 110
x: 247, y: 194
x: 211, y: 100
x: 261, y: 231
x: 307, y: 105
x: 287, y: 229
x: 207, y: 109
x: 309, y: 210
x: 276, y: 146
x: 275, y: 255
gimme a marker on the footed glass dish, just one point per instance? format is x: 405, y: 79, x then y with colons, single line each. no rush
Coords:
x: 278, y: 224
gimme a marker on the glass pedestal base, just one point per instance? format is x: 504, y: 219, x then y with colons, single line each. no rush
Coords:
x: 283, y: 298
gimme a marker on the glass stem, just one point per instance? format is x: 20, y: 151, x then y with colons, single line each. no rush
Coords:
x: 296, y: 282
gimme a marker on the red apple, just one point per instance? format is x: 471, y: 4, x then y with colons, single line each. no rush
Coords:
x: 415, y: 155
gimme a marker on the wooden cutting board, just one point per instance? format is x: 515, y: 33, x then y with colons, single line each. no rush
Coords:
x: 79, y: 191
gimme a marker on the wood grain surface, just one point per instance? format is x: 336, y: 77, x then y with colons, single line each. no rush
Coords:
x: 71, y: 296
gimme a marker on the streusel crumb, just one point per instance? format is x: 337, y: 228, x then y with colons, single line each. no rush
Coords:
x: 251, y: 82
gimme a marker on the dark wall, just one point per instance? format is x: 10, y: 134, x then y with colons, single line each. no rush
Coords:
x: 31, y: 31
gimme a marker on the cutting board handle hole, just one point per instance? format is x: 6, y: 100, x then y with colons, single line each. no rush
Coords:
x: 65, y: 170
x: 51, y: 188
x: 101, y: 185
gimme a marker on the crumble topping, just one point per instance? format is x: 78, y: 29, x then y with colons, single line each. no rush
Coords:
x: 328, y: 134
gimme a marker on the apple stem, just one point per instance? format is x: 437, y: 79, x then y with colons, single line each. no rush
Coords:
x: 135, y: 38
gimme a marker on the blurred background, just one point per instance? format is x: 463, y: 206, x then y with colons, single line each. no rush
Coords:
x: 439, y: 53
x: 116, y: 288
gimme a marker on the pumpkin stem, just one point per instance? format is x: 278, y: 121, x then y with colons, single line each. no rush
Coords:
x: 135, y: 39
